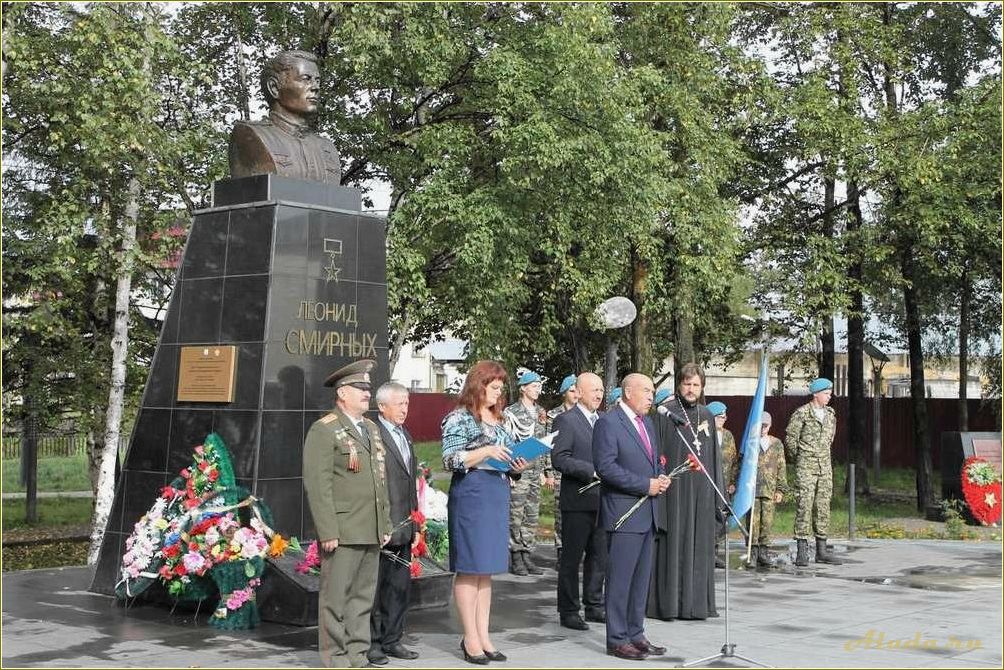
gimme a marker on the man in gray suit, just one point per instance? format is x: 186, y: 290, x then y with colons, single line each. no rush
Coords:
x: 394, y: 579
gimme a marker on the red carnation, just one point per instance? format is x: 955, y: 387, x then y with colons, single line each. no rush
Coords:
x: 213, y: 475
x: 172, y: 550
x: 186, y: 473
x: 416, y: 569
x: 203, y: 466
x: 180, y: 570
x: 168, y: 492
x: 662, y: 462
x: 420, y: 548
x: 418, y: 517
x: 164, y: 572
x: 694, y: 463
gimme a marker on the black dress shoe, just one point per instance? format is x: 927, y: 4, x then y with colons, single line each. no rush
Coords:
x: 496, y: 655
x: 574, y: 621
x: 398, y: 650
x: 377, y: 659
x: 480, y: 659
x: 627, y: 651
x: 646, y: 647
x: 596, y: 616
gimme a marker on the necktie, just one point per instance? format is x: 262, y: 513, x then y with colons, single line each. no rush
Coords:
x: 644, y: 435
x: 592, y: 420
x: 402, y: 444
x: 363, y: 433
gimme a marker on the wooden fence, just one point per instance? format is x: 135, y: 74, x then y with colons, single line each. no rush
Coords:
x: 48, y: 445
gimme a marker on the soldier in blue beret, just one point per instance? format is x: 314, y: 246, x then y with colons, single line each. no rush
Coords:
x: 526, y: 418
x: 809, y: 439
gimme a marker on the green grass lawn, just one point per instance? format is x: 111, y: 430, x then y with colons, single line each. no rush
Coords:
x: 60, y: 473
x: 52, y: 512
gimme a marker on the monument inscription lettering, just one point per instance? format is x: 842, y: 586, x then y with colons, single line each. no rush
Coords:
x: 207, y: 374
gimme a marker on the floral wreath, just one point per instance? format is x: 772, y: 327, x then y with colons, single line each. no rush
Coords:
x: 195, y: 542
x: 981, y: 487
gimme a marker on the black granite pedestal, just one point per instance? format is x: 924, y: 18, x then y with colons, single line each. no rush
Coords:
x: 293, y: 274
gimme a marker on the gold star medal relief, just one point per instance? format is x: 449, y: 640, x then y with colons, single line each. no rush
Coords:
x: 333, y: 248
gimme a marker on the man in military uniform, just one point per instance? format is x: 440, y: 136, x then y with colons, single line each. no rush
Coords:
x: 771, y: 487
x: 730, y: 466
x: 345, y: 480
x: 569, y: 397
x: 809, y: 438
x: 283, y: 143
x: 525, y: 418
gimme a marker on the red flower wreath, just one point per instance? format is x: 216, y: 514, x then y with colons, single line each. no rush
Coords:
x: 981, y: 486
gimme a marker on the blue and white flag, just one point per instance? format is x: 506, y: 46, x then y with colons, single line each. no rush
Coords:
x: 742, y: 501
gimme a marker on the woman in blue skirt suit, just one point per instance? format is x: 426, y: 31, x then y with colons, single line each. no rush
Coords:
x: 479, y: 502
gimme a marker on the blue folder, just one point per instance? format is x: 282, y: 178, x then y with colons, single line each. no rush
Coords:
x: 531, y: 449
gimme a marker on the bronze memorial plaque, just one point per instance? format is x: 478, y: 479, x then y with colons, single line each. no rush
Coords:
x: 206, y: 374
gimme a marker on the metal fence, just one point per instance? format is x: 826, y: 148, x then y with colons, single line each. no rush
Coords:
x: 48, y: 445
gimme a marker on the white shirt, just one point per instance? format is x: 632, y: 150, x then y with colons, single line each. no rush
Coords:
x: 631, y: 417
x: 398, y: 435
x: 590, y: 416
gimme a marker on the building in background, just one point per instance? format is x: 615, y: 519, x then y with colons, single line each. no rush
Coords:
x: 434, y: 367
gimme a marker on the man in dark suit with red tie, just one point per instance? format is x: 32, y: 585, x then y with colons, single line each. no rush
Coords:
x: 624, y: 456
x: 394, y: 578
x: 572, y: 456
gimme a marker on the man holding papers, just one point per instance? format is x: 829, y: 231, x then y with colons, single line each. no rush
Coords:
x: 625, y: 459
x: 573, y: 458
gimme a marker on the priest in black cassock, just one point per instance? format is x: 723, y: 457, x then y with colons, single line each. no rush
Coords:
x: 683, y: 572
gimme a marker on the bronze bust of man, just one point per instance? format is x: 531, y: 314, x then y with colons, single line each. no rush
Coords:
x: 283, y: 143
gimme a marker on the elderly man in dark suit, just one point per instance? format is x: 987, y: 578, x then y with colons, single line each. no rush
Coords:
x: 394, y: 579
x: 624, y: 455
x: 572, y: 456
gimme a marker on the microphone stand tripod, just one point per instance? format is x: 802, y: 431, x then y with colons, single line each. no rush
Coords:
x: 728, y: 649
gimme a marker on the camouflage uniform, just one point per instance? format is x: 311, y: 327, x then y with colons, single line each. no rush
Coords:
x: 809, y: 439
x: 557, y: 479
x: 524, y: 506
x: 771, y: 478
x: 730, y: 459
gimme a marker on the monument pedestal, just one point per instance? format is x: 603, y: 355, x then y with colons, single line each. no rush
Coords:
x: 293, y: 275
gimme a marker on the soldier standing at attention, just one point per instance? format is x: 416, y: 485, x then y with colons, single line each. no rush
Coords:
x: 771, y: 486
x: 525, y: 418
x: 730, y: 466
x: 809, y: 438
x: 569, y: 393
x: 343, y: 474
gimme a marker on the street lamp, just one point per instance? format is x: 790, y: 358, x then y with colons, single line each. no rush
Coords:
x: 614, y: 313
x: 879, y: 359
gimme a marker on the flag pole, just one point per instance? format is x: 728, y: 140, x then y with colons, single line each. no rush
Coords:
x: 749, y: 544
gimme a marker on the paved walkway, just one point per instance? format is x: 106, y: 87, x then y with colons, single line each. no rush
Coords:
x: 894, y: 603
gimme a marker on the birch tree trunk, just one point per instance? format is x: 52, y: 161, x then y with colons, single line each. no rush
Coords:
x: 105, y: 494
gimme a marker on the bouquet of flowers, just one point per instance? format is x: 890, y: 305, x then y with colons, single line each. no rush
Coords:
x: 981, y: 487
x: 195, y: 542
x: 691, y: 463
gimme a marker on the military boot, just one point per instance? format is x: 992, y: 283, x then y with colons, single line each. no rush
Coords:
x: 516, y: 565
x: 530, y: 567
x: 802, y: 552
x: 823, y: 554
x: 763, y: 557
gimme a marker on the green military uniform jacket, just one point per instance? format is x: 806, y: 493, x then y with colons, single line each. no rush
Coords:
x: 807, y: 436
x: 771, y: 474
x: 351, y: 507
x: 730, y: 458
